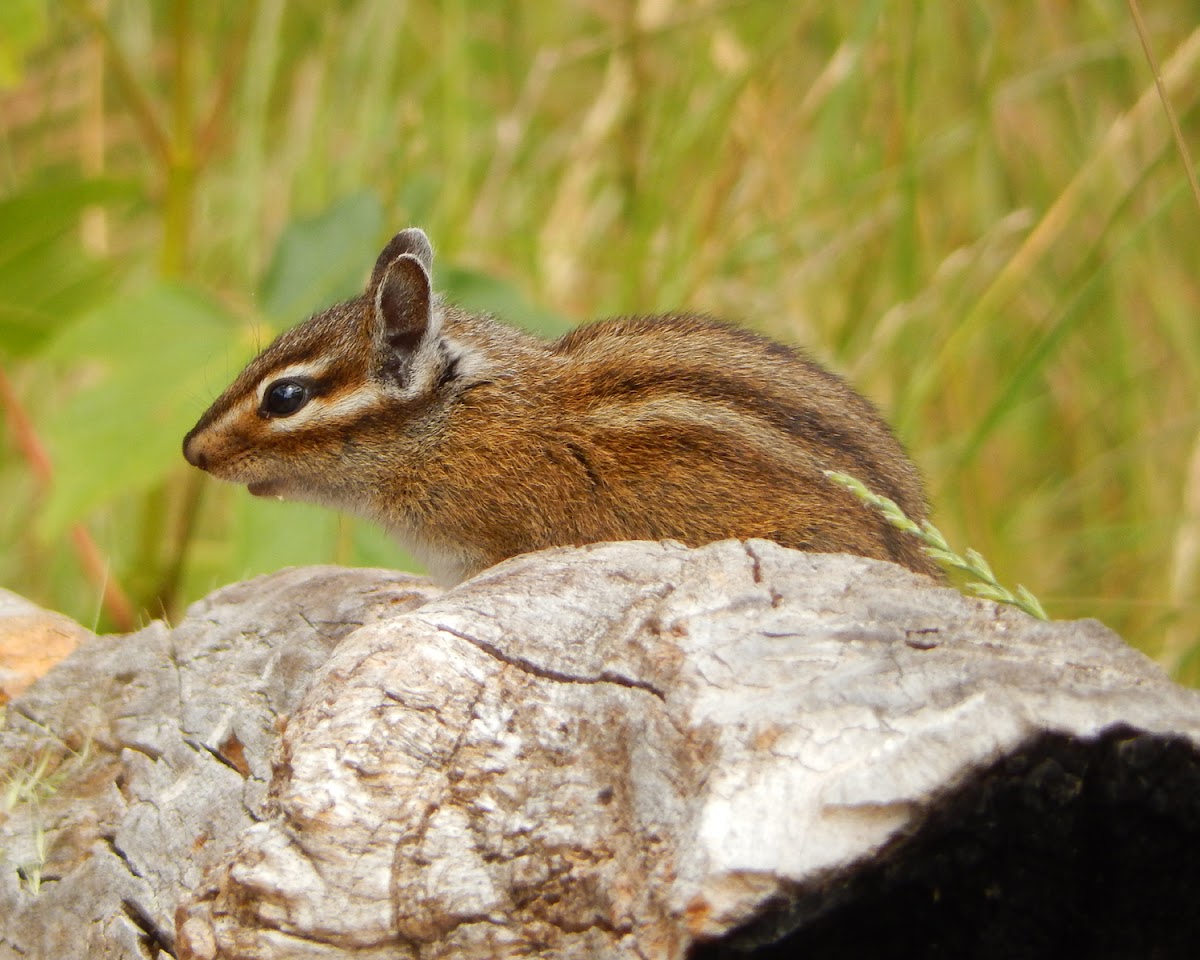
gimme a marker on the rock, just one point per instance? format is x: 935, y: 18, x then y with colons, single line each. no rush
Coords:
x: 148, y: 754
x: 624, y: 750
x: 32, y: 640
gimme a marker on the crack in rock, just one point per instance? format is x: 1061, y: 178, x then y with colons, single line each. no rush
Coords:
x: 546, y: 673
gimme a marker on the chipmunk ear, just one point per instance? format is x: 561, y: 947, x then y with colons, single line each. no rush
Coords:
x: 401, y: 305
x: 411, y: 241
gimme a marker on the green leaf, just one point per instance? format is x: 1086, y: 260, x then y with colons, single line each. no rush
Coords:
x: 255, y: 535
x: 482, y: 293
x: 325, y: 259
x: 372, y: 547
x: 267, y: 535
x: 245, y: 536
x: 22, y: 27
x: 141, y: 357
x: 322, y: 260
x: 46, y: 278
x: 50, y: 210
x: 45, y: 289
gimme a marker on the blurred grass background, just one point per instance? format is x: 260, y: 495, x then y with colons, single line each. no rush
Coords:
x: 974, y: 210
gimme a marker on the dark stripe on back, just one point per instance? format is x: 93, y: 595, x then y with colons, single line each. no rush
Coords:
x: 837, y: 445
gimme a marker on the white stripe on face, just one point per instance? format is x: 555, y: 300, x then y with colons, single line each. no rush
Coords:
x: 322, y: 410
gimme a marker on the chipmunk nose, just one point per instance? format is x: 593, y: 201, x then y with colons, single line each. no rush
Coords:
x: 193, y: 454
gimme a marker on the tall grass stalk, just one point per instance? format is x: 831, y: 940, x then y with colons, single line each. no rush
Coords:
x: 971, y: 564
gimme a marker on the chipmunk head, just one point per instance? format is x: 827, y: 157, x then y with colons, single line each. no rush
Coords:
x: 321, y: 410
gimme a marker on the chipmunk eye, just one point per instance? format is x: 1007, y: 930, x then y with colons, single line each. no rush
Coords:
x: 284, y: 397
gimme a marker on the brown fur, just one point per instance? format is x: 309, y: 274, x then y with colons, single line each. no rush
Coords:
x: 474, y: 442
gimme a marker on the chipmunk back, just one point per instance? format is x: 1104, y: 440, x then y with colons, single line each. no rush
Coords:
x: 473, y: 442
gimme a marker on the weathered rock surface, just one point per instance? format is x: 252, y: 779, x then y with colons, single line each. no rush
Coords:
x: 162, y: 743
x: 626, y: 750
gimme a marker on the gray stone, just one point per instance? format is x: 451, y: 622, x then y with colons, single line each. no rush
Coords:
x: 623, y: 750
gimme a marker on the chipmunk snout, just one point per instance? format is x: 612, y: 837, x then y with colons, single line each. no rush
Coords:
x: 193, y: 454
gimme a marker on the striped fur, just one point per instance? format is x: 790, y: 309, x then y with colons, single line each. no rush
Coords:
x: 473, y: 442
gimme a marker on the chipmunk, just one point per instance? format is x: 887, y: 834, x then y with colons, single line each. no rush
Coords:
x: 472, y: 441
